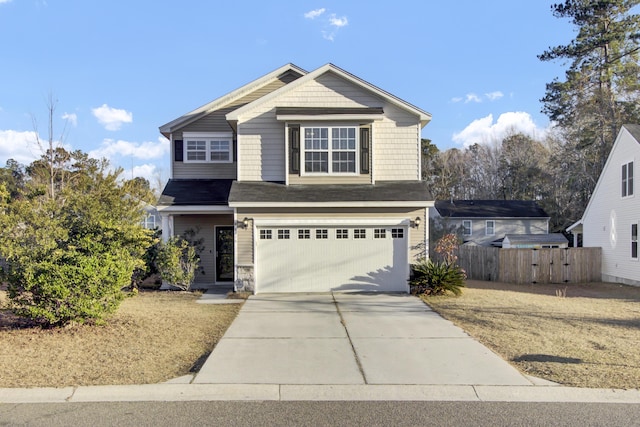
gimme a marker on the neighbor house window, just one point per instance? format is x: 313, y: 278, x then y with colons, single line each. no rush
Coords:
x: 330, y: 149
x: 627, y: 179
x: 149, y: 221
x: 322, y: 233
x: 342, y: 233
x: 490, y: 228
x: 466, y: 227
x: 208, y: 147
x: 379, y: 233
x: 634, y: 241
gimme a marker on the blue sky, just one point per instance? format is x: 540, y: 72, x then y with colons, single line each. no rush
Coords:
x: 119, y: 69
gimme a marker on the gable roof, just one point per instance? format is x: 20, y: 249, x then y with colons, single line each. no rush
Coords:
x: 423, y: 115
x: 489, y: 209
x: 228, y: 98
x: 634, y: 131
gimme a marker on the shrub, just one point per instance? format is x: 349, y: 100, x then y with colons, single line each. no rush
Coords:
x: 177, y: 262
x: 436, y: 278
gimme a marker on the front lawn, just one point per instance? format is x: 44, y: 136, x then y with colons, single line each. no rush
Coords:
x: 588, y: 338
x: 153, y: 337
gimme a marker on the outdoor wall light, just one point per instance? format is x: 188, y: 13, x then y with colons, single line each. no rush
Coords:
x: 244, y: 223
x: 416, y: 222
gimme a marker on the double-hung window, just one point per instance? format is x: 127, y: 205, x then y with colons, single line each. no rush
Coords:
x: 215, y: 147
x: 466, y: 227
x: 490, y: 227
x: 330, y: 150
x: 627, y: 179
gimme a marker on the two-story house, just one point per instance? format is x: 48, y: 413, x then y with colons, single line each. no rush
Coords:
x: 487, y: 222
x: 300, y: 182
x: 611, y: 218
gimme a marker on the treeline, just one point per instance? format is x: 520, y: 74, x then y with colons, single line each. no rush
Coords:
x: 599, y: 93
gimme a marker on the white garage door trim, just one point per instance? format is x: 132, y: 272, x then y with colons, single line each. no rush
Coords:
x: 367, y: 264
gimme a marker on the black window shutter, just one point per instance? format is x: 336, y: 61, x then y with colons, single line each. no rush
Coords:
x: 294, y: 149
x: 365, y: 143
x: 178, y: 150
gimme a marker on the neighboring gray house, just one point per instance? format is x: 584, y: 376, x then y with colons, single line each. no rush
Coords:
x: 611, y: 218
x: 300, y: 182
x: 151, y: 220
x: 486, y: 222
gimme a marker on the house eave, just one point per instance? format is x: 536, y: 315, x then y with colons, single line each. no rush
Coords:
x: 353, y: 204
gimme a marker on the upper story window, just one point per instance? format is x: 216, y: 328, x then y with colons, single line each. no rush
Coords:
x: 208, y: 147
x: 627, y: 179
x: 331, y: 150
x: 490, y: 227
x: 466, y: 227
x: 634, y: 241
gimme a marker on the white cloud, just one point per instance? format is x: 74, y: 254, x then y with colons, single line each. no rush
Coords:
x: 144, y: 150
x: 494, y: 95
x: 485, y: 131
x: 456, y: 99
x: 5, y: 1
x: 471, y: 97
x: 338, y: 22
x: 71, y: 118
x: 112, y: 118
x: 313, y: 14
x: 17, y: 145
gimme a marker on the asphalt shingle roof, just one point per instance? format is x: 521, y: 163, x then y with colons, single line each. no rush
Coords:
x: 490, y: 209
x: 202, y: 192
x: 390, y: 191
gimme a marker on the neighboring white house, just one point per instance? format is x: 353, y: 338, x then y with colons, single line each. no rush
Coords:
x: 611, y: 218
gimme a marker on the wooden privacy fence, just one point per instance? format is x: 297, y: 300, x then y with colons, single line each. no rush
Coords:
x: 570, y: 265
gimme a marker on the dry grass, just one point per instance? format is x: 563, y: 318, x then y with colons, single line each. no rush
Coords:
x: 584, y: 336
x: 153, y: 337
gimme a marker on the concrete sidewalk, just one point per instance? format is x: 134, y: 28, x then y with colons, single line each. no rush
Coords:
x: 347, y: 338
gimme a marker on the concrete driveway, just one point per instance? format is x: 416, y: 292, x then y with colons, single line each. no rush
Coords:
x: 350, y: 338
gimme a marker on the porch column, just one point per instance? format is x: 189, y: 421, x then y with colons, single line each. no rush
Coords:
x: 167, y: 227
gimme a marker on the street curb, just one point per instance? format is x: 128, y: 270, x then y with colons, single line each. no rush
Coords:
x: 292, y: 392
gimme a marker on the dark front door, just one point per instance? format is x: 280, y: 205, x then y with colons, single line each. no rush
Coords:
x: 224, y: 254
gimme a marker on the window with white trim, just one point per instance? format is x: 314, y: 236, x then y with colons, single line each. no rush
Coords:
x: 627, y: 179
x: 304, y: 234
x: 149, y: 221
x: 208, y: 147
x: 342, y: 233
x: 322, y: 233
x: 265, y: 234
x: 283, y: 234
x: 330, y: 150
x: 490, y: 227
x: 360, y: 233
x: 379, y: 233
x: 466, y: 227
x: 634, y: 241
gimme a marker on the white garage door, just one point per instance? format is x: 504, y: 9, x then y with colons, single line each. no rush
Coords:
x: 322, y: 259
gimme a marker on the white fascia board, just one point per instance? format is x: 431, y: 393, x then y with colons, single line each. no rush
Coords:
x: 279, y: 222
x: 175, y: 210
x: 424, y: 116
x: 416, y: 204
x: 229, y: 97
x: 329, y: 117
x: 574, y: 225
